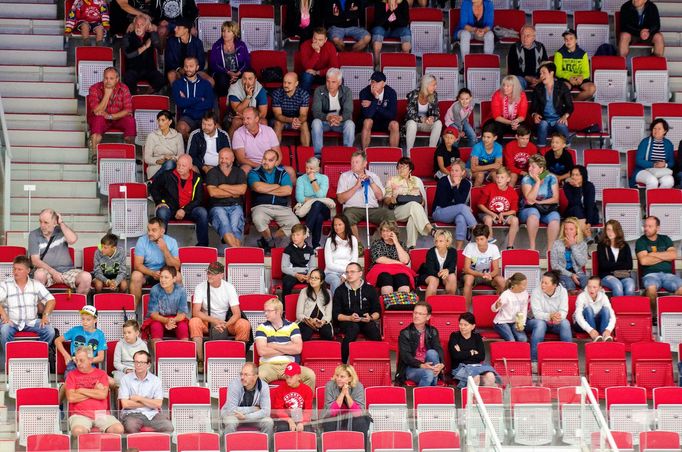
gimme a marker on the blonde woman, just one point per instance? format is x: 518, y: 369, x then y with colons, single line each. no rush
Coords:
x: 163, y: 146
x: 509, y: 107
x: 312, y: 202
x: 407, y: 195
x: 344, y: 402
x: 440, y: 267
x: 423, y: 114
x: 228, y: 58
x: 568, y: 255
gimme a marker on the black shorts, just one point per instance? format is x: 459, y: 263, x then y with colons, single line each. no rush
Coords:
x: 395, y: 281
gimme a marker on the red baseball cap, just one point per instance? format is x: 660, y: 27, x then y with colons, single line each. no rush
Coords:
x: 292, y: 369
x: 453, y: 130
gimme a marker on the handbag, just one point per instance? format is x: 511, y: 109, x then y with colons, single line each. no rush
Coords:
x: 401, y: 200
x: 272, y: 74
x: 621, y: 274
x: 545, y: 209
x: 660, y: 172
x: 400, y: 301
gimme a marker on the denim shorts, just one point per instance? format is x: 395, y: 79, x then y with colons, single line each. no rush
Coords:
x: 379, y: 33
x: 356, y: 33
x: 533, y: 212
x: 667, y: 281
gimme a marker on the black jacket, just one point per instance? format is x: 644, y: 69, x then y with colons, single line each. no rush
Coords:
x: 136, y: 61
x: 172, y: 10
x: 430, y: 266
x: 561, y: 96
x: 408, y: 341
x: 629, y: 19
x: 402, y: 16
x: 343, y: 18
x: 165, y: 191
x: 608, y: 264
x: 362, y: 301
x: 582, y: 200
x: 196, y: 145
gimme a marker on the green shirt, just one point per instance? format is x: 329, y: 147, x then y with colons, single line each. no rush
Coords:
x: 662, y: 243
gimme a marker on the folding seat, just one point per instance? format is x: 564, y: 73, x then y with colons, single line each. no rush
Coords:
x: 333, y: 171
x: 549, y: 25
x: 652, y: 365
x: 666, y: 204
x: 7, y: 255
x: 659, y: 440
x: 115, y: 165
x: 401, y: 72
x: 623, y: 441
x: 128, y: 209
x: 66, y: 313
x: 511, y: 360
x: 393, y: 322
x: 26, y: 366
x: 482, y: 75
x: 605, y: 365
x: 342, y: 440
x: 668, y: 406
x: 611, y: 6
x: 190, y: 409
x: 571, y: 6
x: 650, y: 79
x: 337, y: 154
x: 576, y: 419
x: 422, y: 157
x: 610, y: 76
x: 210, y: 21
x: 322, y: 357
x: 485, y: 316
x: 626, y: 125
x: 357, y: 68
x: 176, y: 364
x: 257, y: 23
x: 37, y: 412
x: 252, y: 306
x: 512, y: 19
x: 435, y: 408
x: 372, y: 362
x: 444, y: 440
x: 224, y: 361
x: 99, y: 442
x: 113, y: 309
x: 391, y: 441
x: 382, y: 161
x: 426, y: 25
x: 532, y: 415
x: 622, y: 204
x: 194, y: 261
x: 627, y: 409
x: 603, y: 169
x: 586, y: 122
x: 149, y: 442
x: 492, y: 398
x: 522, y: 261
x: 417, y: 258
x: 199, y: 442
x: 246, y: 441
x: 445, y: 314
x: 592, y: 28
x: 673, y: 116
x: 90, y: 65
x: 558, y: 364
x: 299, y: 441
x: 245, y: 268
x: 48, y: 442
x: 531, y: 5
x: 261, y: 59
x: 633, y: 319
x: 145, y: 109
x: 669, y: 310
x: 443, y: 66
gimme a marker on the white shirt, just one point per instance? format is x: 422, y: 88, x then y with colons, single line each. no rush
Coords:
x: 222, y: 298
x: 150, y: 388
x: 22, y: 305
x: 336, y: 259
x: 441, y: 259
x: 616, y: 252
x: 348, y: 179
x: 211, y: 156
x: 481, y: 261
x: 334, y: 105
x: 422, y: 108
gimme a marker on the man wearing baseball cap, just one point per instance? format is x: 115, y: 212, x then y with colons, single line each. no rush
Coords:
x: 292, y: 402
x: 379, y: 104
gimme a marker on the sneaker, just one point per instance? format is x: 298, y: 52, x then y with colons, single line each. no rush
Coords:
x: 598, y: 339
x: 265, y: 245
x: 468, y: 236
x: 434, y: 229
x: 200, y: 367
x: 534, y: 367
x: 608, y: 339
x: 492, y: 240
x: 510, y: 247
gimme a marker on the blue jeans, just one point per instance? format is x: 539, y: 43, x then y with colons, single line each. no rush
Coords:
x: 469, y: 132
x: 333, y: 279
x: 198, y: 215
x: 522, y: 80
x: 509, y: 333
x: 619, y: 287
x: 598, y: 322
x: 379, y: 33
x: 667, y: 281
x: 7, y: 332
x: 319, y: 127
x: 545, y: 128
x: 307, y: 80
x: 424, y: 377
x: 538, y: 329
x: 460, y: 215
x: 316, y: 216
x: 533, y: 212
x: 228, y: 220
x: 168, y: 165
x: 569, y: 284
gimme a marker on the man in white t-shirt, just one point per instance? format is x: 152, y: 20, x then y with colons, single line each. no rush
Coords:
x: 223, y: 314
x: 481, y: 263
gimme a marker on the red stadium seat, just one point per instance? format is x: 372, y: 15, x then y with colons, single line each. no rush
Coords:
x: 593, y: 29
x: 522, y: 261
x: 626, y: 125
x: 652, y: 365
x: 149, y: 441
x: 343, y: 440
x: 650, y: 79
x: 357, y: 68
x: 482, y: 75
x: 295, y: 441
x: 622, y: 204
x: 223, y: 363
x: 206, y: 442
x: 210, y: 21
x: 261, y: 59
x: 659, y: 440
x: 446, y: 310
x: 435, y: 409
x: 672, y: 114
x: 603, y: 169
x: 401, y: 72
x: 549, y: 25
x: 99, y: 442
x: 175, y: 364
x: 668, y: 406
x: 511, y: 360
x: 48, y: 442
x: 633, y: 319
x: 666, y: 204
x: 257, y: 24
x: 573, y: 422
x: 627, y: 409
x: 586, y: 117
x: 128, y: 210
x: 669, y: 311
x: 190, y: 409
x: 443, y: 66
x: 610, y: 76
x: 246, y: 441
x: 322, y: 357
x: 37, y: 411
x: 426, y: 25
x: 387, y: 406
x: 558, y: 364
x: 390, y: 440
x: 485, y: 316
x: 532, y: 415
x: 605, y: 365
x: 372, y: 362
x: 422, y: 157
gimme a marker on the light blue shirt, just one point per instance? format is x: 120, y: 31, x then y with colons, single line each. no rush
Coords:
x: 304, y: 189
x: 153, y: 256
x: 483, y: 157
x: 149, y: 388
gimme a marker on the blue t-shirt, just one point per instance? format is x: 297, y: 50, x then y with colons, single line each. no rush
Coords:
x: 152, y: 254
x: 261, y: 98
x: 545, y: 190
x: 550, y: 115
x: 483, y: 157
x: 269, y: 178
x: 79, y: 337
x: 568, y: 254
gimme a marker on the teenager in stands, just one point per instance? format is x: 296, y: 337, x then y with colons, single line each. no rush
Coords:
x: 540, y: 201
x: 614, y: 259
x: 499, y: 204
x: 593, y: 312
x: 516, y: 154
x: 440, y: 267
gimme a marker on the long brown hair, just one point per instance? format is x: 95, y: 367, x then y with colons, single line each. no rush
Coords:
x: 619, y: 240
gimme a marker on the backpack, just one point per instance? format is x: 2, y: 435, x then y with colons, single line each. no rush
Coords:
x: 606, y: 49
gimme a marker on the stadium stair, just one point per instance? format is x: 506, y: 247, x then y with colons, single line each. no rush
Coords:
x: 671, y: 26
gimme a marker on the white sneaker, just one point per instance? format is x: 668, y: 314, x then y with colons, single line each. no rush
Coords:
x: 598, y: 339
x: 534, y: 367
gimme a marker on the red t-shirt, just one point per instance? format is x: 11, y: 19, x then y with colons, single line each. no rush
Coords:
x: 497, y: 200
x: 286, y: 401
x: 516, y: 158
x: 88, y: 408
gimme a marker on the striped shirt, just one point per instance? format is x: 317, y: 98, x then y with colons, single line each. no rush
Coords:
x: 658, y: 151
x: 281, y: 335
x: 290, y: 105
x: 22, y: 306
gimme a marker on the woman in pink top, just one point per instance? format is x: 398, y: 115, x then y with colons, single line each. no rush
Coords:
x: 508, y: 107
x: 344, y: 402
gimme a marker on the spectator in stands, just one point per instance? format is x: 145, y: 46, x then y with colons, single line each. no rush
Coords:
x: 278, y: 344
x: 655, y: 158
x: 163, y: 146
x: 248, y: 402
x: 87, y: 390
x: 517, y: 153
x: 581, y: 203
x: 540, y: 201
x: 451, y: 203
x: 312, y: 202
x: 343, y: 19
x: 344, y: 402
x: 406, y: 195
x: 568, y: 255
x: 226, y: 186
x: 340, y: 249
x: 486, y: 156
x: 270, y: 192
x: 292, y: 402
x: 48, y: 248
x: 193, y: 97
x: 19, y: 300
x: 476, y: 22
x: 298, y: 259
x: 420, y: 355
x: 593, y: 312
x: 482, y: 263
x: 178, y: 195
x: 123, y: 12
x: 182, y: 46
x: 390, y: 256
x: 509, y: 107
x: 656, y: 255
x: 360, y: 188
x: 446, y: 153
x: 614, y: 260
x: 573, y: 66
x: 551, y: 112
x: 152, y: 251
x: 317, y: 56
x: 216, y: 311
x: 559, y: 160
x: 332, y: 110
x: 83, y: 335
x: 86, y: 16
x: 423, y: 114
x: 141, y: 398
x: 459, y: 115
x: 467, y: 354
x: 302, y: 18
x: 110, y: 267
x: 228, y: 58
x: 549, y: 308
x: 356, y: 309
x: 205, y: 144
x: 125, y: 349
x: 140, y: 46
x: 640, y: 23
x: 391, y: 20
x: 440, y: 267
x: 290, y: 106
x: 110, y: 106
x: 525, y: 57
x: 167, y: 310
x: 498, y: 205
x: 168, y: 14
x: 244, y: 93
x: 379, y: 106
x: 512, y: 309
x: 314, y: 308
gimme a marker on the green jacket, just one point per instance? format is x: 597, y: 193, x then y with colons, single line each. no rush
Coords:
x: 569, y: 64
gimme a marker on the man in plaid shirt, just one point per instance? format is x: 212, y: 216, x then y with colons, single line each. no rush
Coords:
x: 19, y: 299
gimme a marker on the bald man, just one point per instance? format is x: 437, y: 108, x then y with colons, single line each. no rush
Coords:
x: 290, y: 106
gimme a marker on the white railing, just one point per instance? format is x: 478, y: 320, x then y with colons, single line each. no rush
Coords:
x: 605, y: 432
x: 5, y: 175
x: 475, y: 402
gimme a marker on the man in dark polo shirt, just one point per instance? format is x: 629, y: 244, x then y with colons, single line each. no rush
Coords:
x: 290, y: 106
x: 226, y: 186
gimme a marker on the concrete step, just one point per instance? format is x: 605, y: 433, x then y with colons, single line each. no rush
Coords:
x: 34, y: 57
x: 671, y: 23
x: 20, y: 73
x: 64, y: 106
x: 48, y: 154
x: 95, y: 223
x: 675, y: 68
x: 673, y: 53
x: 85, y: 238
x: 669, y: 9
x: 52, y: 171
x: 675, y: 84
x: 56, y: 189
x: 46, y: 138
x: 32, y: 26
x: 24, y: 121
x: 672, y: 38
x: 61, y: 90
x: 28, y: 11
x: 91, y: 206
x: 31, y: 42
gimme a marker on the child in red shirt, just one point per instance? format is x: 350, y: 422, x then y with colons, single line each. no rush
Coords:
x: 516, y: 154
x: 499, y: 204
x: 86, y: 16
x: 292, y: 402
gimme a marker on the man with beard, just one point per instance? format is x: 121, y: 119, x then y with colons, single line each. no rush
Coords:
x: 205, y: 144
x: 193, y: 97
x: 226, y: 186
x: 180, y: 47
x: 290, y: 105
x: 139, y: 46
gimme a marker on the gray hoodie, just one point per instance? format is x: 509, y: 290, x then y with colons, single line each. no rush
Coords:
x: 235, y: 393
x: 542, y: 305
x: 123, y: 353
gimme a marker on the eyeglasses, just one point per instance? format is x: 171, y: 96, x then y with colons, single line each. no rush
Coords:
x: 141, y: 363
